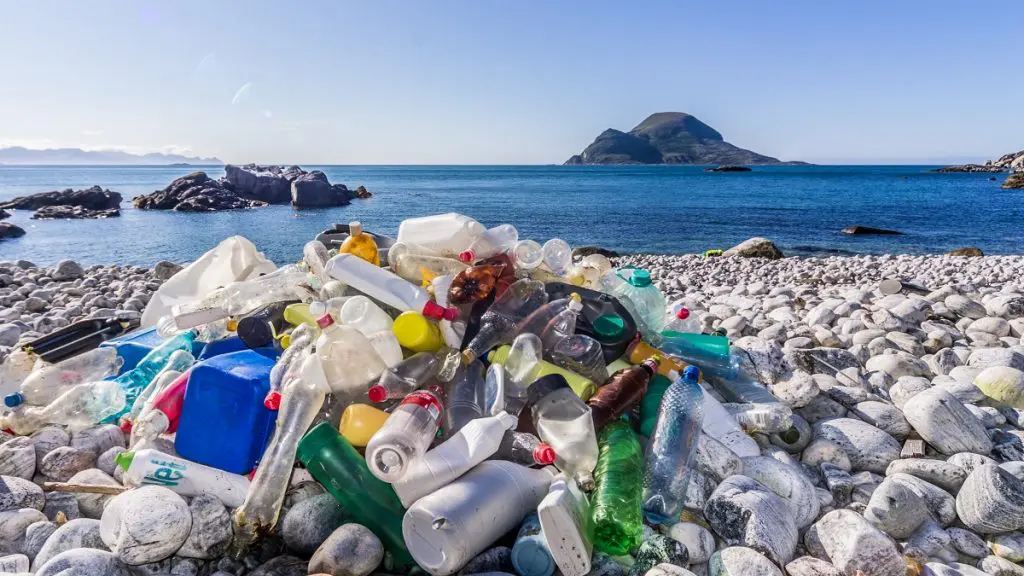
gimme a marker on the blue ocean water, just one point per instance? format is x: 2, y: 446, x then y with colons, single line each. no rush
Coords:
x: 661, y: 209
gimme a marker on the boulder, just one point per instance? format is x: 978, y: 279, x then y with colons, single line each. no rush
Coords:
x: 967, y: 543
x: 743, y: 512
x: 78, y: 533
x: 146, y: 524
x: 869, y: 231
x: 8, y: 230
x: 854, y: 546
x: 658, y: 549
x: 91, y: 505
x: 94, y: 198
x: 947, y: 476
x: 991, y: 500
x: 970, y: 251
x: 312, y: 190
x: 18, y: 459
x: 867, y: 447
x: 896, y: 509
x: 362, y: 193
x: 1003, y: 384
x: 307, y: 524
x: 811, y: 566
x: 945, y: 424
x: 67, y: 270
x: 73, y: 213
x: 84, y: 561
x: 755, y: 248
x: 787, y: 482
x: 64, y: 462
x: 18, y: 493
x: 940, y: 503
x: 13, y: 527
x: 36, y: 536
x: 1014, y: 181
x: 195, y: 192
x: 267, y: 184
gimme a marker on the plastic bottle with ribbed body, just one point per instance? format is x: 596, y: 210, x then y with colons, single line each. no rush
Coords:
x: 623, y: 390
x: 315, y: 256
x: 672, y: 447
x: 360, y: 244
x: 581, y: 354
x: 615, y: 512
x: 521, y: 367
x: 635, y: 290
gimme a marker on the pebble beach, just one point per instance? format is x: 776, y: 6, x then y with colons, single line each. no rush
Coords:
x: 900, y: 460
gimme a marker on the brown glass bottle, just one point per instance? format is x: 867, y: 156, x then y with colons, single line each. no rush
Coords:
x: 624, y: 389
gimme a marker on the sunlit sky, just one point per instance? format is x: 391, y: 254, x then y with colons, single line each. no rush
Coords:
x: 510, y: 82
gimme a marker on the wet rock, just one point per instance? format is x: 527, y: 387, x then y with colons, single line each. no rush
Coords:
x: 63, y: 502
x: 744, y: 512
x: 79, y: 533
x: 738, y: 560
x: 944, y: 423
x: 17, y: 459
x: 967, y: 543
x: 84, y: 561
x: 896, y: 509
x: 64, y: 462
x: 146, y: 524
x: 18, y: 493
x: 991, y: 500
x: 811, y: 566
x: 351, y: 550
x: 851, y: 543
x: 211, y: 531
x: 309, y: 523
x: 947, y: 476
x: 867, y: 447
x: 699, y: 542
x: 787, y: 482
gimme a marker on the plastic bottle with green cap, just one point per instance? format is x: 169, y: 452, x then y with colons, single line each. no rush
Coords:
x: 635, y: 290
x: 336, y: 465
x: 181, y: 476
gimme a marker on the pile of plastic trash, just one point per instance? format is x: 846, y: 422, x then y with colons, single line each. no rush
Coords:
x: 450, y: 387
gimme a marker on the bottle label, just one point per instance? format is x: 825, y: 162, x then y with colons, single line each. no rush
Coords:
x: 427, y: 401
x: 167, y: 473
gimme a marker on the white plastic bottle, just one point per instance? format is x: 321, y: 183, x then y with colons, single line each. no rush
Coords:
x: 446, y: 529
x: 679, y: 318
x: 447, y: 234
x: 390, y: 289
x: 494, y: 241
x: 722, y: 426
x: 557, y: 255
x: 563, y: 518
x: 362, y: 314
x: 182, y: 476
x: 405, y: 435
x: 349, y: 359
x: 471, y: 445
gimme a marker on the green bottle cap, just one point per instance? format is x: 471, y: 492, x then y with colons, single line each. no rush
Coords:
x: 640, y: 278
x: 609, y: 326
x: 124, y: 459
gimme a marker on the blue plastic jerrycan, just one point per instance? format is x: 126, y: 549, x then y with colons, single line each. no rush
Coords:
x: 223, y: 421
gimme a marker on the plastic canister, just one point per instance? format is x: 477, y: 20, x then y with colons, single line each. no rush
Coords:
x: 530, y: 554
x: 564, y: 514
x: 445, y: 530
x: 359, y: 422
x: 415, y: 332
x: 446, y: 234
x: 583, y: 387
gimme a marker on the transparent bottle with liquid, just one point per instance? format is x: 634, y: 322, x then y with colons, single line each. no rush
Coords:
x: 79, y: 407
x: 557, y: 256
x: 386, y: 287
x: 360, y: 244
x: 494, y: 241
x: 527, y: 255
x: 564, y: 421
x: 47, y: 381
x: 406, y: 434
x: 349, y: 359
x: 403, y: 378
x: 498, y: 323
x: 446, y: 234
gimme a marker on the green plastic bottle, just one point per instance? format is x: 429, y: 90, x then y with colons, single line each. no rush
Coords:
x: 651, y: 402
x: 334, y: 463
x: 616, y: 510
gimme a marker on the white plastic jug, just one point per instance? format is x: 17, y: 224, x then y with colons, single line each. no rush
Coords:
x: 445, y: 530
x: 349, y: 359
x: 385, y: 286
x: 362, y: 314
x: 471, y: 445
x: 494, y: 241
x: 446, y: 234
x: 182, y: 476
x: 563, y: 518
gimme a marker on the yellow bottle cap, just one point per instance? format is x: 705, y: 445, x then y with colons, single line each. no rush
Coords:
x: 359, y: 422
x: 417, y: 333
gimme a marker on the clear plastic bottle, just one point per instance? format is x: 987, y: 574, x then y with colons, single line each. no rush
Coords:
x: 301, y: 342
x: 47, y: 381
x: 315, y: 256
x: 557, y: 255
x: 161, y: 413
x: 580, y: 354
x: 680, y: 319
x: 302, y: 398
x: 524, y: 449
x: 565, y: 310
x: 563, y: 421
x: 421, y: 268
x: 498, y: 323
x: 349, y: 359
x: 79, y: 407
x: 592, y: 268
x: 240, y: 298
x: 464, y: 398
x: 522, y: 368
x: 634, y: 289
x: 672, y: 447
x: 401, y: 379
x: 360, y: 244
x: 495, y: 383
x: 527, y: 255
x: 494, y: 241
x: 362, y: 314
x: 406, y: 434
x: 446, y: 234
x: 135, y: 381
x: 563, y: 324
x: 615, y: 512
x: 386, y: 287
x: 180, y: 361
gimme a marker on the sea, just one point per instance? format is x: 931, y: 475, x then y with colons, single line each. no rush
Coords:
x: 630, y: 209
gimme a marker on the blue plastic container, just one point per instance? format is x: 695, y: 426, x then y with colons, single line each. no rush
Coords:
x: 223, y: 421
x: 222, y: 346
x: 134, y: 346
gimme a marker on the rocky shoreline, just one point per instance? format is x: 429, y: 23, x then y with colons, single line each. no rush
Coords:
x: 898, y: 454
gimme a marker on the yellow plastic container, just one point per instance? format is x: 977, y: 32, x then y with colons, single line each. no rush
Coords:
x: 640, y: 351
x: 296, y: 314
x: 417, y: 333
x: 359, y: 422
x: 360, y: 244
x: 583, y: 387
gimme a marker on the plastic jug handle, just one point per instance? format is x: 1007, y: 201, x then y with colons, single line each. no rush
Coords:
x: 618, y: 272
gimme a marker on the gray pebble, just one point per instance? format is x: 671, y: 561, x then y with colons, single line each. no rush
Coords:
x: 867, y: 447
x: 742, y: 511
x: 991, y: 500
x: 738, y: 560
x: 106, y: 462
x: 49, y: 439
x: 811, y: 566
x: 351, y: 550
x: 944, y: 423
x: 309, y: 523
x: 82, y: 562
x: 896, y: 509
x: 91, y: 505
x: 13, y: 524
x: 18, y: 458
x: 787, y: 482
x: 78, y: 533
x: 35, y: 536
x: 17, y: 493
x: 947, y: 476
x: 851, y: 543
x: 967, y: 543
x: 98, y: 439
x: 211, y: 531
x: 61, y: 502
x: 996, y: 566
x: 146, y: 524
x: 64, y: 462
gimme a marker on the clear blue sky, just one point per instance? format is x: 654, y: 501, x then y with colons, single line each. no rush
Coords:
x: 442, y: 82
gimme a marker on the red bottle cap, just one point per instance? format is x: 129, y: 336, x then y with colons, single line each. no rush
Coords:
x: 683, y: 314
x: 467, y: 256
x: 272, y: 401
x: 434, y: 310
x: 126, y: 426
x: 544, y: 454
x: 377, y: 394
x: 324, y: 321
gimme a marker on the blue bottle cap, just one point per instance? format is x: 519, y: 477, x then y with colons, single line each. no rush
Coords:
x: 691, y: 374
x: 640, y: 278
x: 12, y: 400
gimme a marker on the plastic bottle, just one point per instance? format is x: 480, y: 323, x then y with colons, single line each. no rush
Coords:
x: 406, y: 435
x: 179, y: 362
x: 386, y: 287
x: 240, y: 298
x: 492, y: 242
x: 640, y: 351
x: 592, y: 268
x: 336, y: 465
x: 452, y: 332
x: 583, y: 387
x: 330, y: 306
x: 446, y: 234
x: 420, y: 266
x: 651, y: 402
x: 152, y: 467
x: 562, y: 325
x: 362, y: 314
x: 475, y: 283
x: 527, y: 255
x: 498, y: 323
x: 671, y: 449
x: 622, y: 391
x: 360, y: 244
x: 161, y: 413
x: 616, y: 512
x: 524, y: 449
x: 557, y: 255
x: 680, y: 319
x: 301, y: 341
x: 349, y: 359
x: 633, y: 287
x: 408, y: 375
x: 446, y: 529
x: 265, y: 325
x: 315, y: 256
x: 530, y: 553
x: 359, y: 422
x: 302, y: 398
x: 464, y: 398
x: 135, y: 380
x: 581, y: 354
x: 79, y: 407
x: 440, y: 466
x: 522, y: 368
x: 721, y: 425
x: 564, y: 517
x: 47, y: 381
x: 495, y: 382
x: 563, y: 421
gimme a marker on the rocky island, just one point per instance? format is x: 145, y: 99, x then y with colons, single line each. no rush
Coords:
x: 94, y: 202
x: 1012, y: 162
x: 667, y: 138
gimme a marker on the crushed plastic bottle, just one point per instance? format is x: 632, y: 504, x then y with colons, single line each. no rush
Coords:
x: 679, y: 318
x: 671, y: 449
x: 524, y: 449
x: 386, y: 287
x: 622, y: 391
x: 495, y: 383
x: 527, y: 255
x: 592, y: 268
x: 160, y: 414
x: 564, y: 422
x: 137, y: 379
x: 406, y: 435
x: 560, y: 326
x: 240, y: 298
x: 582, y: 386
x: 47, y: 381
x: 522, y: 368
x: 184, y: 477
x: 498, y: 323
x: 79, y: 407
x: 475, y: 283
x: 349, y: 359
x: 401, y: 379
x: 315, y: 256
x: 301, y: 342
x: 179, y: 362
x: 581, y: 354
x: 615, y: 512
x: 492, y: 242
x: 360, y: 244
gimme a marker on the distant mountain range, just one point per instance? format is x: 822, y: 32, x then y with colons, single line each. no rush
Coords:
x: 19, y: 155
x: 668, y: 138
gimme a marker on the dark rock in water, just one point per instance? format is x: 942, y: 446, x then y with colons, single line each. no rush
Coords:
x: 728, y: 169
x: 268, y: 184
x: 72, y: 213
x: 868, y: 230
x: 755, y: 248
x: 968, y: 251
x: 4, y: 214
x: 84, y: 561
x: 195, y: 192
x: 362, y: 193
x: 282, y: 566
x: 584, y: 251
x: 94, y: 198
x: 1006, y: 162
x: 313, y: 190
x: 658, y: 549
x: 8, y: 230
x: 1015, y: 181
x: 18, y: 493
x: 667, y: 138
x: 983, y: 168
